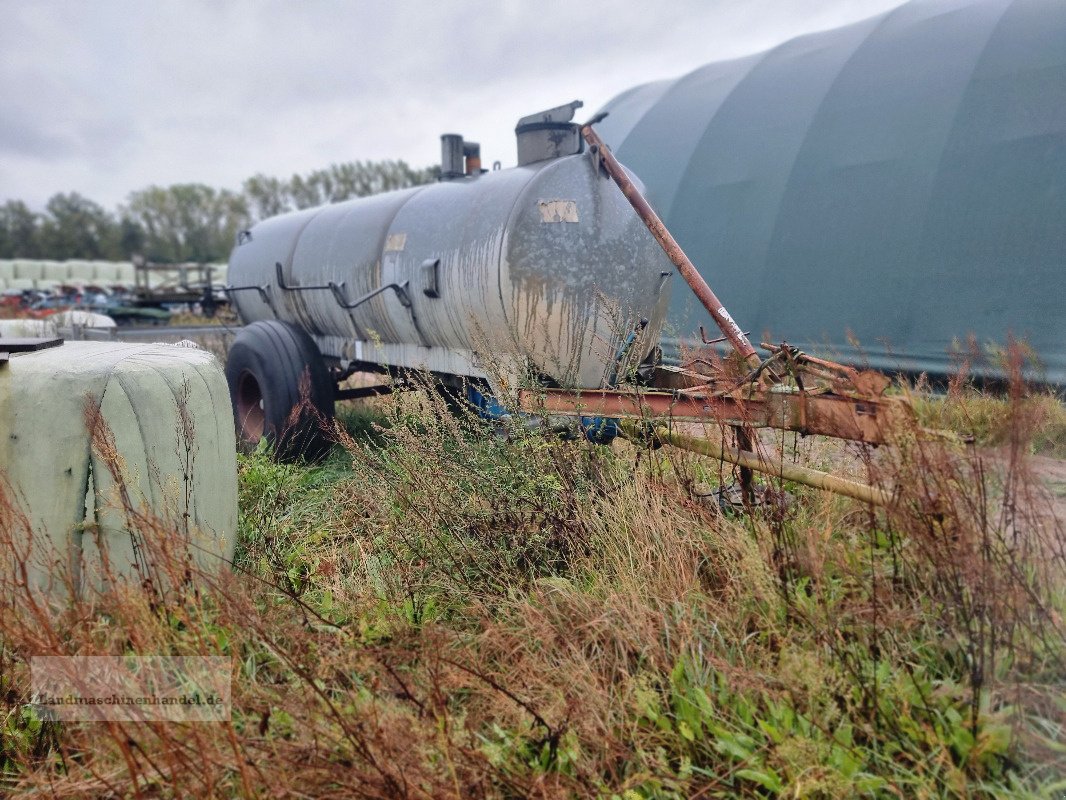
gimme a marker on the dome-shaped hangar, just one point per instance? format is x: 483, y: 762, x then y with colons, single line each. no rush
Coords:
x: 901, y: 181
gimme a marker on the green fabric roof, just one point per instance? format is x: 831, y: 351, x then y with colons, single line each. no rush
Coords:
x: 899, y: 182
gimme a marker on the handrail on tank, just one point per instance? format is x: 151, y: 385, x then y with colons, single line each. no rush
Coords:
x: 401, y: 294
x: 287, y: 288
x: 263, y: 290
x: 342, y: 301
x: 337, y: 289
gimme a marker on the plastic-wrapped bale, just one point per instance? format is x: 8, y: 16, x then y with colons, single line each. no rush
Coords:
x: 28, y: 270
x: 107, y: 272
x: 162, y: 279
x: 25, y: 275
x: 28, y: 329
x: 79, y: 273
x: 80, y: 318
x: 127, y: 273
x: 115, y: 453
x: 57, y: 271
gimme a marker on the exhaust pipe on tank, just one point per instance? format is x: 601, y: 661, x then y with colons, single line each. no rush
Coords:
x: 451, y: 157
x: 458, y: 158
x: 472, y: 154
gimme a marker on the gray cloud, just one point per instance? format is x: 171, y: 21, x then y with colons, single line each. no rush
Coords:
x: 19, y: 138
x: 104, y: 98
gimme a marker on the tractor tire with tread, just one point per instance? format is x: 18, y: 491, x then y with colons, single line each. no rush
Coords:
x: 265, y: 367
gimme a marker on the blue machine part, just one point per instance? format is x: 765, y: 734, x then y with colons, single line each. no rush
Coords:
x: 598, y: 430
x: 488, y: 407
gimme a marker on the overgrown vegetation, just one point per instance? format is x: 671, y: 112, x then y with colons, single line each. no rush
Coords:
x: 989, y: 417
x: 444, y: 611
x: 994, y: 418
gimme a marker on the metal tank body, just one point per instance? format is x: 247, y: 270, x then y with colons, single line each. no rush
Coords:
x: 545, y: 262
x: 900, y: 182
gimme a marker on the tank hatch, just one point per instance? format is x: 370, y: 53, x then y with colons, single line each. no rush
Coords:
x: 549, y: 134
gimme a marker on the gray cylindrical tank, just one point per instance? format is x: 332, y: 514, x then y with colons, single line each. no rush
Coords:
x: 546, y: 261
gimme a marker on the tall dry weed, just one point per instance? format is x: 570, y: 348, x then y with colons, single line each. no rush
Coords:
x: 453, y: 607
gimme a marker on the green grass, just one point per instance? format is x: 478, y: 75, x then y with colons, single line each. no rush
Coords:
x: 993, y: 419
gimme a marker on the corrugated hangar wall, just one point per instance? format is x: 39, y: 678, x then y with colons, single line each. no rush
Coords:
x: 899, y: 183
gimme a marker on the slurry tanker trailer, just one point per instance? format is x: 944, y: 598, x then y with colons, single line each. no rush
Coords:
x: 876, y: 193
x: 542, y: 270
x: 541, y: 289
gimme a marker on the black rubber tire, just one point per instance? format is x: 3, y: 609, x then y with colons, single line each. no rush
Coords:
x: 264, y: 368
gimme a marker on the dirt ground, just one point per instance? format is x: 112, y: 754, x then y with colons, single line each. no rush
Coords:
x: 846, y: 460
x: 1052, y: 474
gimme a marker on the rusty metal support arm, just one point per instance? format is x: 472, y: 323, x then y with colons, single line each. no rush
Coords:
x: 870, y: 420
x: 672, y: 249
x: 788, y: 472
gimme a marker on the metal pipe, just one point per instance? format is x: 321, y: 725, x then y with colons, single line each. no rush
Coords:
x: 264, y: 294
x: 451, y: 156
x: 342, y: 300
x: 472, y: 157
x: 672, y: 249
x: 789, y: 472
x: 279, y: 271
x: 867, y: 420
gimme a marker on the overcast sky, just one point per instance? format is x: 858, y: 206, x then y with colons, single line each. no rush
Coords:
x: 106, y: 97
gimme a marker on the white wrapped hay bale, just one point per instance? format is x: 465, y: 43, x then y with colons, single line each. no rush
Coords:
x: 28, y: 270
x: 107, y: 271
x: 127, y: 273
x: 79, y: 317
x: 28, y: 329
x: 56, y: 271
x: 128, y: 447
x: 79, y: 273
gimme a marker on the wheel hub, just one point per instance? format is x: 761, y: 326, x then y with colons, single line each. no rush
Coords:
x: 250, y: 408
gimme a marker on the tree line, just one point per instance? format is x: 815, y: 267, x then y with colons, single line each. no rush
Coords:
x: 186, y: 222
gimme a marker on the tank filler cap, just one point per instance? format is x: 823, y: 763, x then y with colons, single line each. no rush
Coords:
x: 549, y: 134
